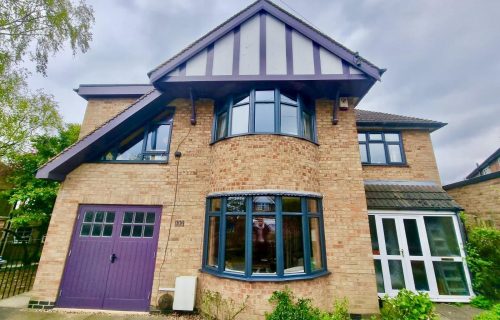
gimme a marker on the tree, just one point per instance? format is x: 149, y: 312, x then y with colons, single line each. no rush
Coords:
x: 34, y: 198
x: 34, y: 29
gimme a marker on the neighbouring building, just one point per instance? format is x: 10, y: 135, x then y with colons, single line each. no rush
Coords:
x: 479, y: 193
x: 246, y: 163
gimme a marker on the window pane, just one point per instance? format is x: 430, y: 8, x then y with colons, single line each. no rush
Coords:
x: 108, y: 230
x: 391, y: 237
x: 380, y: 277
x: 85, y: 229
x: 312, y: 206
x: 96, y: 230
x: 99, y: 216
x: 150, y: 217
x: 264, y: 117
x: 110, y: 217
x: 419, y: 275
x: 236, y: 204
x: 213, y: 242
x: 289, y: 119
x: 131, y: 147
x: 373, y: 234
x: 127, y: 218
x: 89, y: 216
x: 361, y: 137
x: 235, y: 243
x: 148, y: 231
x: 442, y: 236
x: 307, y: 123
x: 292, y: 244
x: 139, y: 217
x: 391, y: 137
x: 155, y: 157
x: 215, y: 204
x: 221, y: 126
x: 291, y: 204
x: 137, y: 231
x: 412, y: 237
x: 375, y: 136
x: 377, y: 153
x: 264, y: 204
x: 126, y: 230
x: 397, y: 275
x: 450, y: 278
x: 285, y: 98
x: 239, y: 121
x: 162, y: 136
x: 267, y: 95
x: 264, y: 244
x: 314, y: 236
x: 394, y: 153
x: 363, y: 153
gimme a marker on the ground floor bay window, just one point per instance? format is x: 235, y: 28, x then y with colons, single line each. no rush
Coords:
x: 420, y: 251
x: 264, y: 237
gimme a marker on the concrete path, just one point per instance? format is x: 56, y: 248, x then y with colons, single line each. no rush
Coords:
x: 19, y: 301
x: 454, y: 312
x: 29, y: 314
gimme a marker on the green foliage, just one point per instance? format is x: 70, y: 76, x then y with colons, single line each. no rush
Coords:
x: 35, y: 196
x: 481, y: 302
x: 483, y: 259
x: 289, y: 308
x: 493, y: 314
x: 215, y: 307
x: 408, y: 305
x: 39, y: 28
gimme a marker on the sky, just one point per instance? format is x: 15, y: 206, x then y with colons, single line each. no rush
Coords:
x: 442, y: 58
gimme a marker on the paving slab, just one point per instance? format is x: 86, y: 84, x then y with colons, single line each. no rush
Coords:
x: 456, y: 312
x: 18, y: 301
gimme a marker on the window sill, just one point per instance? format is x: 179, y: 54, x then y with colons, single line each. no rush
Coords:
x: 132, y: 161
x: 263, y: 278
x: 261, y: 134
x: 402, y: 165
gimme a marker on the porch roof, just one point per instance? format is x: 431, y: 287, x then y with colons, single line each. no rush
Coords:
x: 386, y: 196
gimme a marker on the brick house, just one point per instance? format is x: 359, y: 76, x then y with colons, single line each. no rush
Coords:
x: 246, y: 163
x: 479, y: 193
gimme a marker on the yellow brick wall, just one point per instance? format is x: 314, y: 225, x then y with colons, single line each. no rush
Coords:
x: 100, y: 110
x: 480, y: 200
x: 421, y: 163
x: 242, y: 163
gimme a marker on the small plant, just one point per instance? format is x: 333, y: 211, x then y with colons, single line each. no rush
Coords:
x: 482, y: 302
x: 215, y: 307
x: 288, y: 309
x: 340, y: 311
x: 493, y: 314
x: 409, y: 306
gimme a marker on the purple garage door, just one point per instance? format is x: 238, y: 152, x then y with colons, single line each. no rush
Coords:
x: 111, y: 260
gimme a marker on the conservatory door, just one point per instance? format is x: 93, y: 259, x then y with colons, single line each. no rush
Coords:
x: 419, y: 253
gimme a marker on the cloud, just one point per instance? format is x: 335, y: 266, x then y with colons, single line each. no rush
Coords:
x: 442, y: 58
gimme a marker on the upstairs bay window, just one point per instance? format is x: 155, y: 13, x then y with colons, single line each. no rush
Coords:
x: 149, y: 143
x: 264, y: 237
x: 264, y: 112
x: 382, y: 148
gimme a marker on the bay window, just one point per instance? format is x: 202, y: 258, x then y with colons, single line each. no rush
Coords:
x: 264, y: 237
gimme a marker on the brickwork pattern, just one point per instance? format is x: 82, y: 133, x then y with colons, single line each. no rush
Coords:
x: 421, y: 163
x: 480, y: 200
x: 242, y: 163
x: 100, y: 110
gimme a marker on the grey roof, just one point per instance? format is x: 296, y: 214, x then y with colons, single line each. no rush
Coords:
x: 87, y: 91
x: 408, y: 197
x: 466, y: 182
x: 373, y: 119
x: 485, y: 164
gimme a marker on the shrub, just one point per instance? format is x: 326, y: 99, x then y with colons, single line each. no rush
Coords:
x: 340, y: 311
x: 483, y: 259
x: 215, y: 307
x: 493, y: 314
x: 288, y: 309
x: 481, y: 302
x: 409, y: 306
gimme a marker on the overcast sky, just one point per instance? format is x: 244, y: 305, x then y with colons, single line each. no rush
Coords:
x: 442, y: 58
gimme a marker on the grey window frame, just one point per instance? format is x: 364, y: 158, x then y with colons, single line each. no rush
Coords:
x: 386, y: 145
